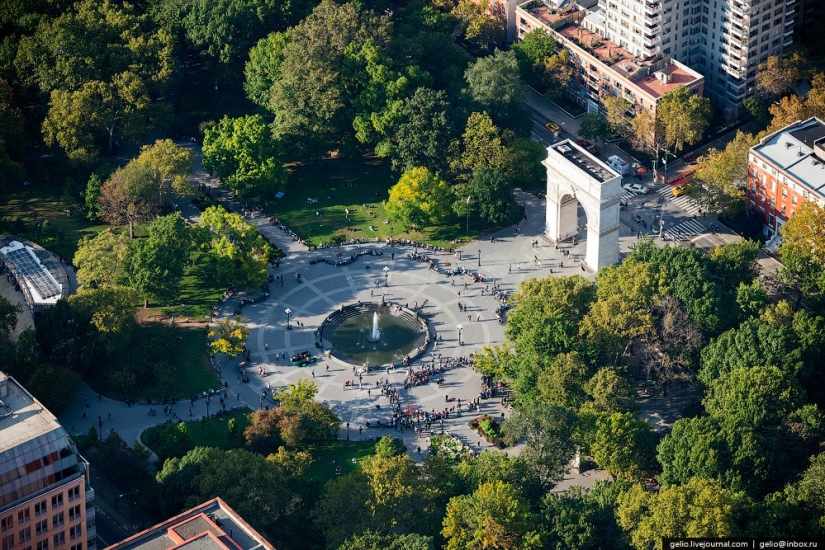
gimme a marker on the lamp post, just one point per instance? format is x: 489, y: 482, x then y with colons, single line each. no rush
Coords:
x: 386, y: 278
x: 468, y: 214
x: 664, y: 160
x: 207, y: 408
x: 479, y: 257
x: 288, y: 311
x: 459, y: 327
x: 347, y: 431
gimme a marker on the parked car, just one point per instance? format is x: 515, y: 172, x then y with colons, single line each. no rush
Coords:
x: 584, y: 143
x: 636, y: 188
x: 691, y: 158
x: 681, y: 190
x: 553, y: 127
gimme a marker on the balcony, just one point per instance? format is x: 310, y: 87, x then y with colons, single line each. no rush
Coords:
x: 789, y: 21
x: 740, y: 9
x: 787, y: 42
x: 788, y: 31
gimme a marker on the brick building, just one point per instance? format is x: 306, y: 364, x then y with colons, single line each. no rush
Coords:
x: 46, y: 502
x: 785, y: 169
x: 602, y: 68
x: 213, y: 525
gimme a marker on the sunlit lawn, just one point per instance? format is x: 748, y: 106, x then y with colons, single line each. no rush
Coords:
x: 343, y: 183
x: 323, y: 467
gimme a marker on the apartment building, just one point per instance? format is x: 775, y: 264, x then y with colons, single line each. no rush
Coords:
x: 46, y: 502
x: 213, y: 525
x: 724, y: 40
x: 785, y: 169
x: 602, y: 68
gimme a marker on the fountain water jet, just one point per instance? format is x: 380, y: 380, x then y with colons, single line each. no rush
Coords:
x: 375, y: 334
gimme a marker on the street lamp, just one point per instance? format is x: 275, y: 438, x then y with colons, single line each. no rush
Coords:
x: 459, y: 327
x: 386, y: 279
x: 347, y: 431
x: 479, y: 257
x: 288, y: 311
x: 664, y: 160
x: 468, y: 214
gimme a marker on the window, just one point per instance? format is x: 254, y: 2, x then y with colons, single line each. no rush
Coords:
x: 57, y: 520
x: 793, y: 200
x: 59, y: 539
x: 8, y: 542
x: 24, y: 535
x: 43, y: 545
x: 40, y: 508
x: 783, y: 210
x: 75, y: 531
x: 74, y: 513
x: 784, y: 192
x: 24, y: 516
x: 57, y: 501
x: 77, y: 546
x: 74, y: 493
x: 7, y: 523
x: 41, y: 527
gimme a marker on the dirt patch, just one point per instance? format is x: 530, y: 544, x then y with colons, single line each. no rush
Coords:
x: 146, y: 316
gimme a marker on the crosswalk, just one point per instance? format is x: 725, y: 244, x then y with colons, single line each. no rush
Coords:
x: 684, y: 202
x: 684, y: 230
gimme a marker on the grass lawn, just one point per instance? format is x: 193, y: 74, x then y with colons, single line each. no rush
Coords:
x: 42, y: 200
x: 169, y: 361
x: 214, y: 432
x: 197, y: 296
x: 350, y: 183
x: 323, y: 468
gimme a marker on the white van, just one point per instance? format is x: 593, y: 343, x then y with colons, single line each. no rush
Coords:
x: 619, y: 165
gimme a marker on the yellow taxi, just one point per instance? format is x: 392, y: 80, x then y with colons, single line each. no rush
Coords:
x: 553, y: 127
x: 681, y: 190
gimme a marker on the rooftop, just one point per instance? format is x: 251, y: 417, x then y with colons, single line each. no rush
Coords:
x: 22, y: 417
x: 584, y: 161
x: 212, y: 525
x: 35, y: 269
x: 798, y: 150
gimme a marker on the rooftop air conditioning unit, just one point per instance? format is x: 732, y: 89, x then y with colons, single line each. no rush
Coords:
x: 787, y: 145
x: 564, y: 149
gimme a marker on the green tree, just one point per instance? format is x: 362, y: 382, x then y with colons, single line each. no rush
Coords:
x: 753, y: 343
x: 154, y: 265
x: 370, y: 540
x: 111, y: 308
x: 724, y: 175
x: 314, y: 98
x: 547, y: 433
x: 92, y: 197
x: 389, y: 446
x: 556, y: 73
x: 99, y: 259
x: 492, y: 197
x: 12, y: 133
x: 8, y: 316
x: 344, y: 496
x: 595, y: 127
x: 241, y: 152
x: 700, y: 508
x: 482, y: 146
x: 419, y: 198
x: 616, y: 108
x: 735, y: 263
x: 624, y: 446
x: 684, y: 116
x: 562, y: 383
x: 263, y: 68
x: 234, y: 251
x: 495, y: 85
x: 609, y: 393
x: 534, y: 47
x: 224, y: 31
x: 170, y: 166
x: 583, y: 519
x: 229, y: 336
x: 478, y: 25
x: 54, y: 386
x: 423, y: 133
x: 493, y: 516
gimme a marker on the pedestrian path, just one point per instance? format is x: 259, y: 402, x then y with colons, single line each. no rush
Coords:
x: 684, y: 230
x: 685, y: 203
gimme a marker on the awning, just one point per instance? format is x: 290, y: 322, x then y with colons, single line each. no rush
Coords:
x: 641, y: 170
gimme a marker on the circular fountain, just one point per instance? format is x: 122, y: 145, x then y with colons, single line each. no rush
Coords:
x: 375, y: 334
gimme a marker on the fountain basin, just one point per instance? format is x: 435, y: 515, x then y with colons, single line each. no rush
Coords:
x: 349, y: 334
